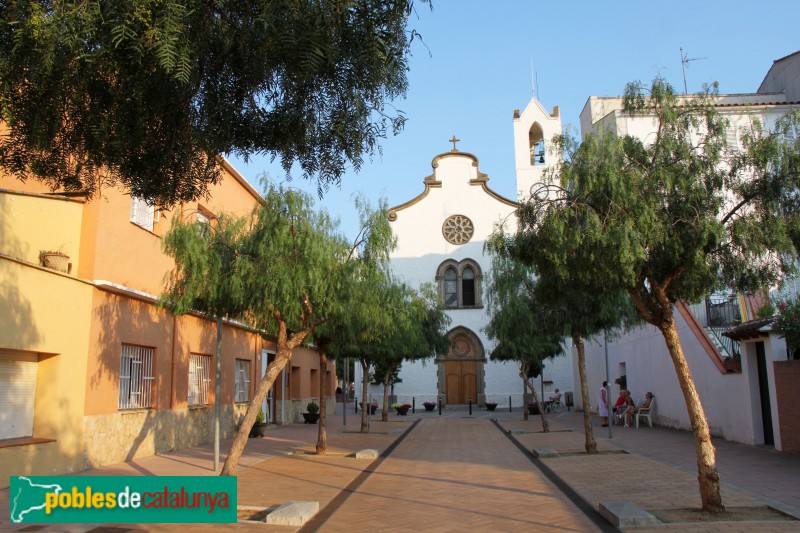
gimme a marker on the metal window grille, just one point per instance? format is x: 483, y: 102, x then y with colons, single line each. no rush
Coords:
x: 242, y: 380
x: 199, y: 378
x: 142, y: 213
x: 135, y: 377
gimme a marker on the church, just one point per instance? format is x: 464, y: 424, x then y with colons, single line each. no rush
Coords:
x: 441, y: 235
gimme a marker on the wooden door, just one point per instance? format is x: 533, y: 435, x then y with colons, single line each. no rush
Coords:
x: 461, y: 381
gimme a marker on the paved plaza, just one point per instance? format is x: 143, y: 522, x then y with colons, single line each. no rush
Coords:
x: 478, y: 472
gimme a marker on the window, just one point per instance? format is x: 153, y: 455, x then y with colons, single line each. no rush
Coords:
x: 199, y: 378
x: 468, y: 286
x: 450, y: 288
x: 18, y: 374
x: 143, y: 213
x: 459, y: 283
x: 135, y: 377
x: 242, y: 380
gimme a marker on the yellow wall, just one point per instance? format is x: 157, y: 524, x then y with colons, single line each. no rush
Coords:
x: 43, y: 312
x: 30, y: 224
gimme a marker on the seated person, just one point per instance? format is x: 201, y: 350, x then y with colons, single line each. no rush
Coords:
x: 556, y: 396
x: 631, y: 410
x: 621, y: 406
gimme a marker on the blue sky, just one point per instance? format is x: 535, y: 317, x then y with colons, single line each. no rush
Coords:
x: 474, y: 69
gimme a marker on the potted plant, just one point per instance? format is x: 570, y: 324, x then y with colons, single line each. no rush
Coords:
x: 372, y: 407
x: 429, y: 406
x: 54, y: 259
x: 732, y: 364
x: 490, y: 406
x: 312, y: 414
x: 401, y: 408
x: 259, y: 429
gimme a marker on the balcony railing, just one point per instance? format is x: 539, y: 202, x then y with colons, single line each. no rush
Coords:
x: 719, y: 313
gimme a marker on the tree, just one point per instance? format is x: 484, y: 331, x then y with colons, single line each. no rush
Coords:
x: 368, y: 256
x: 568, y: 306
x: 277, y: 269
x: 523, y: 329
x: 208, y: 278
x: 418, y: 333
x: 148, y: 94
x: 671, y: 219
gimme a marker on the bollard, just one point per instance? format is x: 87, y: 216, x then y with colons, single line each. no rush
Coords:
x: 509, y: 404
x: 470, y: 407
x: 413, y: 404
x: 355, y: 403
x: 440, y: 406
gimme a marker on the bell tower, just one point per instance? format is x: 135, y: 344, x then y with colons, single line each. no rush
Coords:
x: 534, y: 150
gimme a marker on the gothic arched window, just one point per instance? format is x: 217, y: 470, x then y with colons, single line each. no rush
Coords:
x: 459, y: 283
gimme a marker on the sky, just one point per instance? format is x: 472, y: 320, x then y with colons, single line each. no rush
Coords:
x: 481, y: 60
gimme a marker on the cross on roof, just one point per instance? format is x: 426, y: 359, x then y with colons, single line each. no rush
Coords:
x: 454, y: 141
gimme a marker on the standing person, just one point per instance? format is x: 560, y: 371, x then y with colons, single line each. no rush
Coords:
x: 602, y: 404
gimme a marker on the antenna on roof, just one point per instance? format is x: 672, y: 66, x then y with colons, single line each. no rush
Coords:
x: 685, y: 59
x: 534, y: 81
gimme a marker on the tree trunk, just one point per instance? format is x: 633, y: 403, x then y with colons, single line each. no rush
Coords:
x: 282, y: 356
x: 590, y: 444
x: 322, y: 435
x: 545, y: 423
x: 365, y: 410
x: 385, y: 410
x: 707, y: 474
x: 525, y: 389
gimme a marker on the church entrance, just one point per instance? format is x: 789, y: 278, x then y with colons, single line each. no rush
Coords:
x: 461, y: 381
x: 461, y: 371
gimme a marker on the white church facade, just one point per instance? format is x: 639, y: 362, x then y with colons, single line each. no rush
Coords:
x: 441, y: 236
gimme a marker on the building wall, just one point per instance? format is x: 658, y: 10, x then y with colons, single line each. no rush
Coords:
x: 75, y: 324
x: 41, y: 314
x: 643, y: 355
x: 457, y: 186
x: 787, y: 385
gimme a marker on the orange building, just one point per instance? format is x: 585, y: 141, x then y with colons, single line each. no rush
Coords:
x: 92, y: 372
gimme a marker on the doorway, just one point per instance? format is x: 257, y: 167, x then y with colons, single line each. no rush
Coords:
x: 461, y: 371
x: 763, y: 391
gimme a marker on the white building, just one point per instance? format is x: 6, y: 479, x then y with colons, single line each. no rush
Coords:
x: 440, y: 239
x: 740, y: 405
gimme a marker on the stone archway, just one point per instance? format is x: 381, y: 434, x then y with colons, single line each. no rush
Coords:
x: 461, y: 371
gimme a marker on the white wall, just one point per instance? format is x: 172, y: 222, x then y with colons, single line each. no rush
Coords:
x: 725, y: 397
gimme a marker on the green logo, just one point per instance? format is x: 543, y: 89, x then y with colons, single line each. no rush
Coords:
x: 120, y: 499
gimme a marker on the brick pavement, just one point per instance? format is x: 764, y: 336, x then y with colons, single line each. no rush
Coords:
x: 455, y: 472
x: 453, y: 475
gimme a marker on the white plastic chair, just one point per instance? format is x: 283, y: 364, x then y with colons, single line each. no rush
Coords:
x: 644, y: 412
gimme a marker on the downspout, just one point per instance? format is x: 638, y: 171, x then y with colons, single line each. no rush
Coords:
x: 172, y: 401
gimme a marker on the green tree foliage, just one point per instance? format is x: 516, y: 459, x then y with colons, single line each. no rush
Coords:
x: 367, y: 259
x: 148, y: 93
x: 672, y: 218
x: 418, y: 333
x: 524, y: 329
x: 563, y: 306
x: 280, y: 269
x: 209, y: 277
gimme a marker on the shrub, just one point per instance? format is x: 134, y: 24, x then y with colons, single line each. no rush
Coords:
x: 312, y: 408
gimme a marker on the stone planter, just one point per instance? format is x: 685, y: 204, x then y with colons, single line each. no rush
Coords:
x: 491, y: 406
x: 401, y: 410
x: 533, y: 409
x: 429, y: 406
